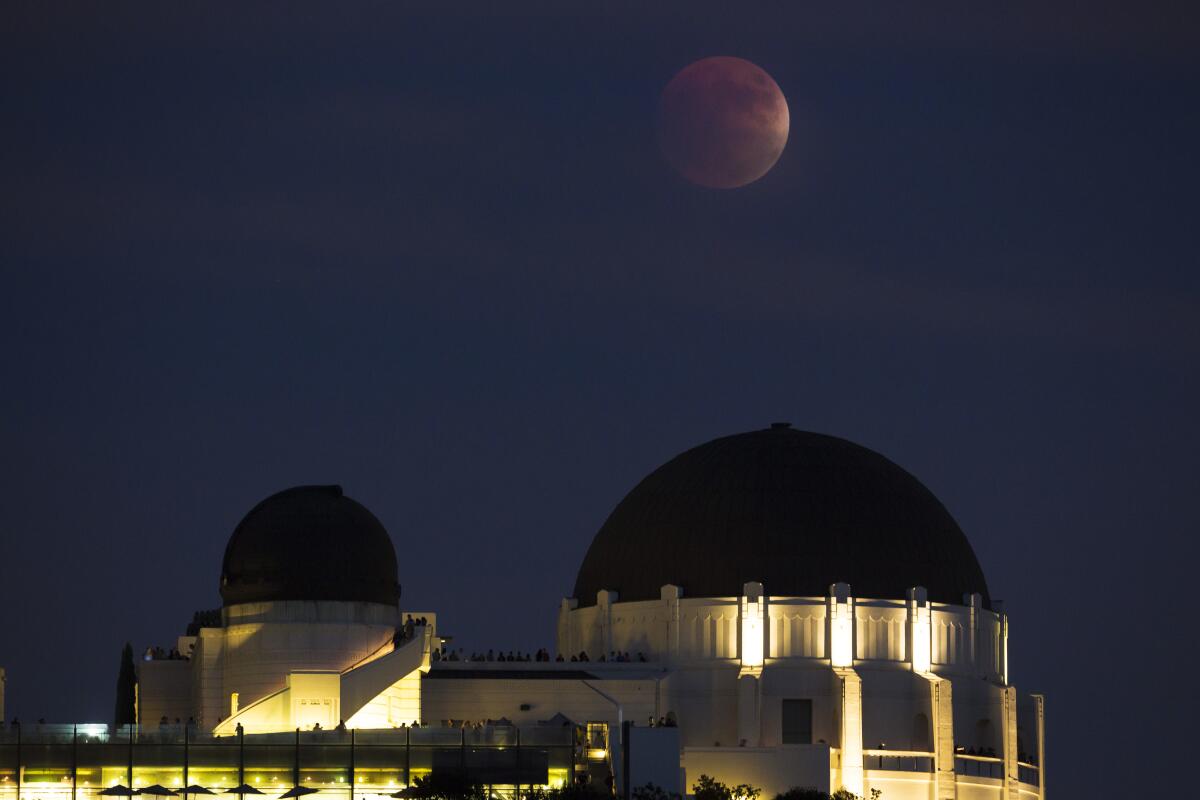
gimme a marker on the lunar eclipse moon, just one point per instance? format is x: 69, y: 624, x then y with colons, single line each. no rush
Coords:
x: 722, y: 122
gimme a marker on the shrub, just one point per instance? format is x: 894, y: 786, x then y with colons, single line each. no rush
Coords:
x: 805, y: 793
x: 652, y: 792
x: 707, y: 788
x: 846, y: 794
x: 447, y: 787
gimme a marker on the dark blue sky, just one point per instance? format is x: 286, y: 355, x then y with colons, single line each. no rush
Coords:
x: 437, y: 258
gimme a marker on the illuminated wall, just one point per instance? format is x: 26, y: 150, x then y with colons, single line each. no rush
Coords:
x: 55, y: 763
x: 894, y: 685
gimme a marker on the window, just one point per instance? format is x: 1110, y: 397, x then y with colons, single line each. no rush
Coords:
x: 797, y: 721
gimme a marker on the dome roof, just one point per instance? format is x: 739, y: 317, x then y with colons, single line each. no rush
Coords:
x: 309, y: 543
x: 795, y: 510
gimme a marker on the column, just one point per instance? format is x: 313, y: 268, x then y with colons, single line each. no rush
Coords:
x: 752, y: 633
x: 1041, y: 744
x: 920, y: 640
x: 752, y: 643
x: 841, y: 625
x: 604, y: 603
x: 566, y: 639
x: 749, y: 718
x: 670, y: 595
x: 942, y: 721
x: 1011, y: 773
x: 974, y: 603
x: 849, y: 694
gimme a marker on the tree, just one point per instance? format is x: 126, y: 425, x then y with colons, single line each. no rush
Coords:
x: 126, y: 707
x: 846, y: 794
x: 447, y: 786
x: 802, y: 793
x: 707, y: 788
x: 577, y: 791
x: 652, y: 792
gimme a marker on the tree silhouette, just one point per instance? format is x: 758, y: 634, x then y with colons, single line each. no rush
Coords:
x: 126, y: 713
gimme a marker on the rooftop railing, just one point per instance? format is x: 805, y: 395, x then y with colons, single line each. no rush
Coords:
x: 978, y: 766
x: 899, y: 760
x: 493, y: 735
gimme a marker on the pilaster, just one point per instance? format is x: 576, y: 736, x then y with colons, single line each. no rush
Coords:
x: 749, y: 708
x: 849, y: 694
x: 566, y: 640
x: 919, y: 640
x: 1040, y: 710
x: 1011, y: 772
x: 670, y: 595
x: 841, y: 625
x: 974, y: 604
x: 604, y: 604
x: 941, y: 717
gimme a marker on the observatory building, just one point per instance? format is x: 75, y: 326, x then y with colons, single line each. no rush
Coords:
x: 778, y: 608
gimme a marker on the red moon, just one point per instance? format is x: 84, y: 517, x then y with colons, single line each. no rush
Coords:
x: 722, y: 122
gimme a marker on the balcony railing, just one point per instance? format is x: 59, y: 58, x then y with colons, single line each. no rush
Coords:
x: 898, y: 760
x: 978, y: 766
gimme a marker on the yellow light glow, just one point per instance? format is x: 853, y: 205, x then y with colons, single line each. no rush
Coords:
x: 922, y: 640
x: 841, y: 630
x: 752, y: 633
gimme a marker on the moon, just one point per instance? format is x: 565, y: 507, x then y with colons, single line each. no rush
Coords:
x: 722, y: 122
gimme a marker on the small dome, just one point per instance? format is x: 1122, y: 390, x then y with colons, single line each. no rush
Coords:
x: 795, y: 510
x: 309, y: 543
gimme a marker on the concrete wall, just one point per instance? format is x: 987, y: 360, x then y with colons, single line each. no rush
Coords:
x: 653, y: 758
x: 899, y: 785
x: 895, y: 704
x: 783, y: 682
x: 965, y: 639
x: 263, y: 642
x: 164, y: 690
x: 479, y: 691
x: 891, y: 653
x: 774, y: 769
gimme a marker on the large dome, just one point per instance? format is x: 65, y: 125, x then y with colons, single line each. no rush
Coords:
x: 309, y: 543
x: 795, y: 510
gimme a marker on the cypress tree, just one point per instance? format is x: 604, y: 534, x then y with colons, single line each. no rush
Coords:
x: 125, y: 713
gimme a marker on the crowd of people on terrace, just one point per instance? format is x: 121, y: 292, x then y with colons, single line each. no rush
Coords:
x: 987, y: 752
x: 613, y: 655
x: 162, y: 654
x: 408, y: 630
x: 542, y: 655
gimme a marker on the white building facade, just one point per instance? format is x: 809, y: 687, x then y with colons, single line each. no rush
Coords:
x: 802, y: 610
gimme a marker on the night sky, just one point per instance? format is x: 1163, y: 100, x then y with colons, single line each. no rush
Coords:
x: 438, y: 258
